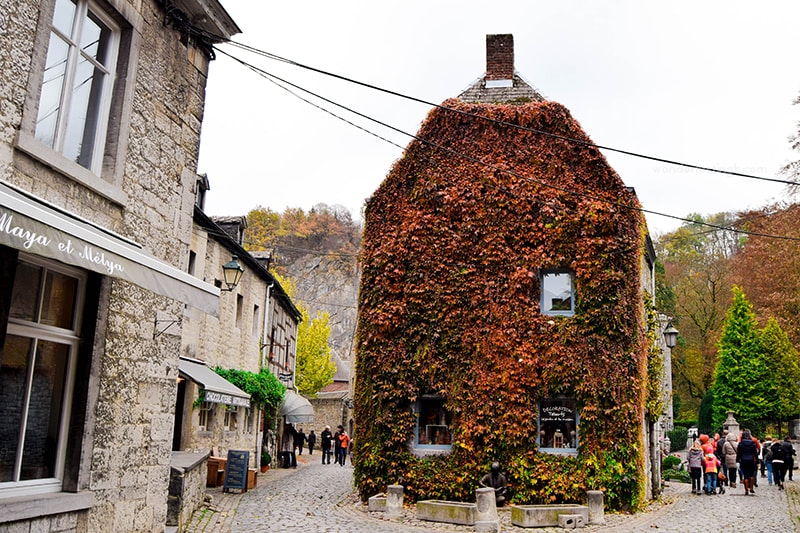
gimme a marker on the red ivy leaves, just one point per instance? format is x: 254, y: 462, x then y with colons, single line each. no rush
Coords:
x: 452, y: 252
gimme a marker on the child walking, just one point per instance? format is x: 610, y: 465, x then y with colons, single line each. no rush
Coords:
x: 711, y: 465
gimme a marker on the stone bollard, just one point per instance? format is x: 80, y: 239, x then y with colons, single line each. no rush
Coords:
x: 487, y: 520
x: 594, y: 500
x: 394, y: 500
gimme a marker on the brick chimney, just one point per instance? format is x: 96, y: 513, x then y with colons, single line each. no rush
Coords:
x: 499, y: 60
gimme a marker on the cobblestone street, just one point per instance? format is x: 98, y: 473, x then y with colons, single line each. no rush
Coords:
x: 320, y: 498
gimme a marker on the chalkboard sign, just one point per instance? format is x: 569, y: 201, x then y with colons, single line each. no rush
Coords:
x: 236, y: 470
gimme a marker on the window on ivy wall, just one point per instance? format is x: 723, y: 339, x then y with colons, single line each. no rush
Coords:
x: 558, y: 292
x: 558, y: 425
x: 433, y: 424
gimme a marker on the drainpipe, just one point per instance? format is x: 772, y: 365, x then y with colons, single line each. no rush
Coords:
x: 260, y: 366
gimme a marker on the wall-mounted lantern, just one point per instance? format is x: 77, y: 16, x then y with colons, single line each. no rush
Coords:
x: 232, y: 272
x: 670, y: 336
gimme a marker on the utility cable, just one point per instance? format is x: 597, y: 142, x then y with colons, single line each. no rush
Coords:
x: 499, y: 122
x: 272, y: 78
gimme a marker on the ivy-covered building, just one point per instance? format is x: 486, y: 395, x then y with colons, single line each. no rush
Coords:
x: 503, y: 312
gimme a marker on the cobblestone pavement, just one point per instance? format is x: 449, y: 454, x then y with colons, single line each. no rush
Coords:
x: 319, y: 498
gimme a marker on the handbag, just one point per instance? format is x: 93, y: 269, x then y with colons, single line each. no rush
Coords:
x: 721, y: 476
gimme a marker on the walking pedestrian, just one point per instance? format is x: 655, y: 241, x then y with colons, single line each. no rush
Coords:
x: 711, y: 465
x: 747, y: 457
x: 766, y: 452
x: 696, y: 466
x: 788, y: 456
x: 729, y: 458
x: 337, y: 444
x: 299, y: 440
x: 325, y: 441
x: 344, y: 442
x: 288, y: 458
x: 778, y: 467
x: 312, y: 440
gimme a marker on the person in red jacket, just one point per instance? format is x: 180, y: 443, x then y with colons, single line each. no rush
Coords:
x: 344, y: 442
x: 711, y: 466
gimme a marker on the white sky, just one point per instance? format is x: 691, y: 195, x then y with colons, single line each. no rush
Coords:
x: 709, y: 83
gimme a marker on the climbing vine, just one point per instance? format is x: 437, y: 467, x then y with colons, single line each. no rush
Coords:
x: 449, y: 305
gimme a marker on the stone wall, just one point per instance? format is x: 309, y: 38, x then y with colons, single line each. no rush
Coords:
x: 130, y: 387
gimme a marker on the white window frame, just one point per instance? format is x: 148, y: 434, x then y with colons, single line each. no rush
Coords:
x: 204, y: 416
x: 231, y: 419
x: 107, y: 169
x: 70, y: 337
x: 544, y: 283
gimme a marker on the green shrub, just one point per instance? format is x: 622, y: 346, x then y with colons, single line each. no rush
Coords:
x: 678, y: 475
x: 677, y: 438
x: 671, y: 462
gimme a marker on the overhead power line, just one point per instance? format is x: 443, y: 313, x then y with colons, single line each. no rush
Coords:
x: 279, y: 81
x: 488, y: 119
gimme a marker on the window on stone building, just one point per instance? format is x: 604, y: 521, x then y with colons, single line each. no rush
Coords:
x: 231, y: 413
x: 204, y: 416
x: 37, y: 374
x: 558, y: 425
x: 433, y: 423
x: 558, y: 292
x: 239, y: 311
x: 80, y: 89
x: 256, y: 316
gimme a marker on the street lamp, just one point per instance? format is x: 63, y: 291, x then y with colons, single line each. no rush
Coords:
x: 670, y: 336
x: 232, y: 272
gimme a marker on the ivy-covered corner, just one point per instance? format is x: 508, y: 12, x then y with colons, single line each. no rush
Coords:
x: 501, y: 315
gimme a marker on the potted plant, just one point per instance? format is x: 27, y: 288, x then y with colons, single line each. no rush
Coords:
x: 266, y: 459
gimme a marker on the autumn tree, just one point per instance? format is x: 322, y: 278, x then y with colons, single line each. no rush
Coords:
x: 315, y: 369
x: 294, y: 233
x: 767, y: 266
x: 693, y: 286
x: 743, y: 380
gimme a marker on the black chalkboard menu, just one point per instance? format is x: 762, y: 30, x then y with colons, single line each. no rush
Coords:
x: 236, y: 470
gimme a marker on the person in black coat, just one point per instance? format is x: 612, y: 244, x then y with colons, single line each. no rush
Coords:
x: 312, y: 440
x: 747, y: 457
x: 326, y: 437
x: 788, y: 456
x: 299, y: 440
x: 778, y: 466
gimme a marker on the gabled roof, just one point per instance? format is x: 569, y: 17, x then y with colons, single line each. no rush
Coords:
x: 519, y: 92
x: 218, y: 234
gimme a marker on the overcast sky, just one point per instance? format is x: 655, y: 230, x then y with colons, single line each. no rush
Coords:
x: 709, y: 83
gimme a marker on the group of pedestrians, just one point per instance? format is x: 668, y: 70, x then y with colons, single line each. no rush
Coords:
x: 339, y: 445
x: 715, y: 463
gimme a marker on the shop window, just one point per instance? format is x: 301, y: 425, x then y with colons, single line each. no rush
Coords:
x: 558, y: 425
x: 37, y: 373
x: 433, y: 424
x: 80, y: 92
x: 558, y: 292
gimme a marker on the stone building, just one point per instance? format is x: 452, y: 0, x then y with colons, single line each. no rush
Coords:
x: 503, y: 308
x: 256, y: 327
x: 101, y: 104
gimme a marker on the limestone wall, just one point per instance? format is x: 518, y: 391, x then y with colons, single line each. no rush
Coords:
x: 127, y: 397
